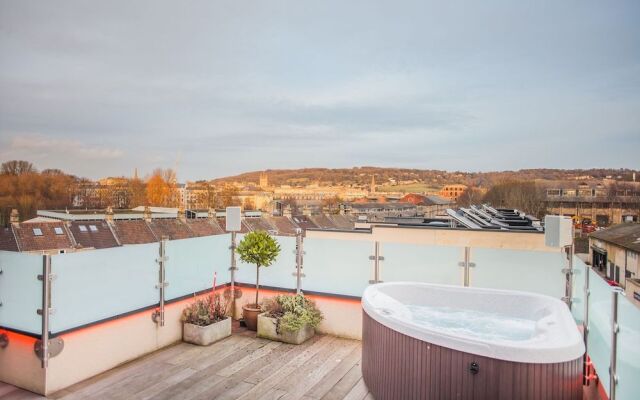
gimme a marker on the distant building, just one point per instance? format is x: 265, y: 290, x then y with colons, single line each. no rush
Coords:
x: 603, y: 203
x: 428, y: 206
x: 452, y: 192
x: 614, y: 253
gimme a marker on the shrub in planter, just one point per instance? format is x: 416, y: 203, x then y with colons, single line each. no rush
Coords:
x: 206, y: 321
x: 261, y: 249
x: 288, y: 318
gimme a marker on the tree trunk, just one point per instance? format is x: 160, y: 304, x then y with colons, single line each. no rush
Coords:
x: 257, y: 282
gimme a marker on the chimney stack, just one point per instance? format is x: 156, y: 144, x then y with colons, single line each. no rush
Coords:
x: 212, y: 214
x: 108, y: 216
x: 14, y: 218
x: 287, y: 211
x: 147, y: 214
x: 181, y: 214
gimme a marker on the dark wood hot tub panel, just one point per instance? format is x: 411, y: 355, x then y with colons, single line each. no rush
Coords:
x: 396, y: 366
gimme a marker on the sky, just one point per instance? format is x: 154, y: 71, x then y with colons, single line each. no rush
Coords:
x: 215, y: 88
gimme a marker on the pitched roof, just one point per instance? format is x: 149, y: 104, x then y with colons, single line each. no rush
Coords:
x: 284, y: 225
x: 341, y: 221
x: 38, y: 236
x: 204, y: 227
x: 322, y: 221
x: 7, y: 240
x: 96, y: 234
x: 170, y: 228
x: 258, y: 224
x: 304, y: 222
x: 625, y: 235
x: 134, y: 231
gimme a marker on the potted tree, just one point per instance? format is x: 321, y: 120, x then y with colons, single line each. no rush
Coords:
x: 261, y: 249
x: 205, y: 321
x: 288, y: 318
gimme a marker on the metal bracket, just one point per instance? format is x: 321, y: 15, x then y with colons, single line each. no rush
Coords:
x: 162, y: 285
x: 155, y: 316
x: 233, y: 268
x: 463, y: 264
x: 162, y: 259
x: 52, y: 311
x: 302, y: 275
x: 373, y: 281
x: 373, y: 258
x: 52, y: 277
x: 55, y: 347
x: 567, y: 271
x: 4, y: 340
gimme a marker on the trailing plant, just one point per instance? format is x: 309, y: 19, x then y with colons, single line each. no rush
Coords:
x: 292, y: 312
x: 259, y: 248
x: 206, y: 310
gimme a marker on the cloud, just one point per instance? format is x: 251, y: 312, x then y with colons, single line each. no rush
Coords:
x: 38, y: 145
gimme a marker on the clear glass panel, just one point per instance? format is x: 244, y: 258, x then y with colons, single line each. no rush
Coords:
x: 628, y: 364
x: 279, y: 274
x: 419, y: 263
x: 579, y: 273
x: 531, y: 271
x: 192, y: 262
x: 98, y: 284
x: 337, y: 266
x: 599, y: 337
x: 20, y: 291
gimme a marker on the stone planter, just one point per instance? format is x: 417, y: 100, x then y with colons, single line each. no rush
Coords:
x: 205, y: 335
x: 267, y: 330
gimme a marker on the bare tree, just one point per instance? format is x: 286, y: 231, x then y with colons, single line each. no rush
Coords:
x: 17, y: 167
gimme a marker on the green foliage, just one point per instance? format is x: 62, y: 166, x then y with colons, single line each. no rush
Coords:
x: 258, y: 248
x: 206, y: 310
x: 292, y: 312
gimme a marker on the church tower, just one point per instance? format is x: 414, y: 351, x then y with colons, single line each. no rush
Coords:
x: 264, y: 180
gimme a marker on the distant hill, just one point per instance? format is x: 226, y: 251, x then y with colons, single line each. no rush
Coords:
x: 361, y: 176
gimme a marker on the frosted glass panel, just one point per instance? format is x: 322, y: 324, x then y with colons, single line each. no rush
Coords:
x: 599, y: 338
x: 192, y: 262
x: 98, y: 284
x: 419, y: 263
x: 279, y: 274
x: 337, y: 266
x: 20, y: 291
x: 579, y: 272
x: 531, y: 271
x: 628, y: 365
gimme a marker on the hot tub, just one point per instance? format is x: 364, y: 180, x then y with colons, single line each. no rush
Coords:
x: 425, y: 341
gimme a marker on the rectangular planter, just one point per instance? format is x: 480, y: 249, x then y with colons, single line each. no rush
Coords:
x: 205, y: 335
x: 267, y: 330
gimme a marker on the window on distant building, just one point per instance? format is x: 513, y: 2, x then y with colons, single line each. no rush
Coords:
x: 58, y: 230
x: 93, y: 228
x: 82, y: 228
x: 37, y: 232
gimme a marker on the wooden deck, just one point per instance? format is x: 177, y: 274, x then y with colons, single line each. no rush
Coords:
x: 239, y: 367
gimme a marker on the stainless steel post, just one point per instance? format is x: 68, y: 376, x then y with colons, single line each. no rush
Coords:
x: 376, y: 258
x: 568, y: 271
x: 158, y: 315
x: 613, y: 378
x: 585, y: 325
x: 299, y: 260
x: 232, y: 269
x: 467, y: 257
x: 46, y: 302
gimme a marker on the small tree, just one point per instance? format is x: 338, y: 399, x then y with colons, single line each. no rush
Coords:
x: 258, y: 248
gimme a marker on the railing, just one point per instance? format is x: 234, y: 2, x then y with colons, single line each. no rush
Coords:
x: 93, y: 286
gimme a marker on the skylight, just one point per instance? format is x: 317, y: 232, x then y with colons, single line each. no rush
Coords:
x: 93, y: 228
x: 37, y: 232
x: 82, y: 228
x: 57, y: 230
